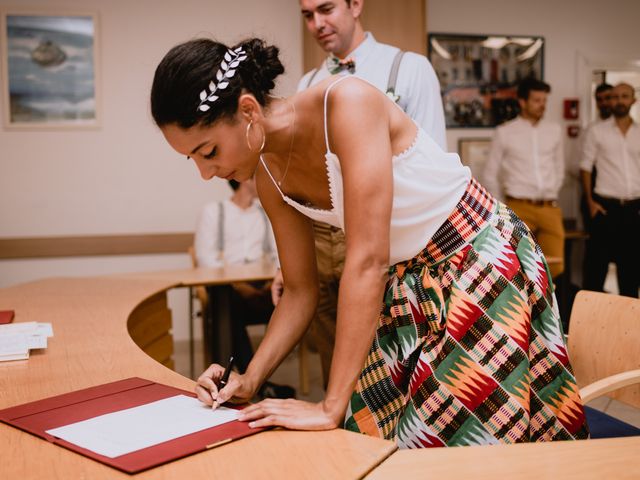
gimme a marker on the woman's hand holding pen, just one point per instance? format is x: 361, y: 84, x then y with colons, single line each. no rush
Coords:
x: 211, y: 391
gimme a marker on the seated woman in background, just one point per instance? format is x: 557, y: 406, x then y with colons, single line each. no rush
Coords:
x: 467, y: 347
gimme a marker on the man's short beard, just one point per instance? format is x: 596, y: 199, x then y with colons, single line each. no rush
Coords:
x: 605, y: 112
x: 620, y: 111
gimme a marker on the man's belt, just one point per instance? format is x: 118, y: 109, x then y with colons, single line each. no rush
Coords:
x: 325, y: 227
x: 533, y: 201
x: 620, y: 202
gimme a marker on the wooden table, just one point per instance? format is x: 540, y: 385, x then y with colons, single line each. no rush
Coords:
x: 91, y: 319
x: 189, y: 277
x: 216, y: 330
x: 94, y: 320
x: 616, y: 458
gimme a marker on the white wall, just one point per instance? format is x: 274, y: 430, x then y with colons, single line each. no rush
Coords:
x: 579, y: 34
x: 122, y: 178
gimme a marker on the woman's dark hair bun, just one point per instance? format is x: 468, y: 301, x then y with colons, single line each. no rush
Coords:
x: 185, y: 74
x: 261, y: 68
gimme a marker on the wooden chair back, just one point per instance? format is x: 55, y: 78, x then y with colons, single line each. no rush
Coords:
x: 604, y: 339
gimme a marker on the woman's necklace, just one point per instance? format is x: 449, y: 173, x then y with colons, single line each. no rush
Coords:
x: 293, y: 133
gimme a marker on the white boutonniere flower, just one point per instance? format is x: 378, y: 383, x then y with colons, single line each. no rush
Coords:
x: 392, y: 95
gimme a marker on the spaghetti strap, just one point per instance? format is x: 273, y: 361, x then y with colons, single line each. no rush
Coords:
x: 326, y: 95
x: 264, y: 164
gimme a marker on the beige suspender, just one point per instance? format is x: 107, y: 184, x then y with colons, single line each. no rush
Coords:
x: 393, y: 75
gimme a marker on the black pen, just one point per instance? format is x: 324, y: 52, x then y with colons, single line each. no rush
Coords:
x: 225, y: 375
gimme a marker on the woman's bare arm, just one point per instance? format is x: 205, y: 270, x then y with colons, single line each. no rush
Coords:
x: 296, y: 251
x: 292, y: 315
x: 360, y: 137
x: 359, y: 134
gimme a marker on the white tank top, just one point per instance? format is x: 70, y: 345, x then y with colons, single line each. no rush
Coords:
x: 427, y: 185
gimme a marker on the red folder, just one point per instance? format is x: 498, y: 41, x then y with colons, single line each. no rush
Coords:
x: 6, y: 316
x: 37, y: 417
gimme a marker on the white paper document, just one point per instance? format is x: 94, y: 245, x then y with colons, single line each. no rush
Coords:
x: 126, y: 431
x: 29, y: 328
x: 14, y: 346
x: 16, y: 339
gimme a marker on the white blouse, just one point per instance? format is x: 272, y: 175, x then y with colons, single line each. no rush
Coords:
x: 427, y: 185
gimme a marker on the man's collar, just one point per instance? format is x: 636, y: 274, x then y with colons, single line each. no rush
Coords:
x: 528, y: 122
x: 362, y: 51
x: 241, y: 204
x: 614, y: 124
x: 611, y: 123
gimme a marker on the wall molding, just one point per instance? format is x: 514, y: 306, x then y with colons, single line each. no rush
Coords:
x: 94, y: 245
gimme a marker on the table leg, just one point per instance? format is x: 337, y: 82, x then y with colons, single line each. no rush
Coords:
x: 220, y: 331
x: 567, y: 287
x: 564, y: 286
x: 192, y: 360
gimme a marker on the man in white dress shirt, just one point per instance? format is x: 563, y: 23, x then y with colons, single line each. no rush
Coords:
x: 613, y: 147
x: 526, y: 169
x: 335, y: 24
x: 602, y: 96
x: 408, y: 78
x: 234, y: 231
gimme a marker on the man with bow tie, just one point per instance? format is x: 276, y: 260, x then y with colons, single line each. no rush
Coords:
x: 407, y: 78
x: 335, y: 24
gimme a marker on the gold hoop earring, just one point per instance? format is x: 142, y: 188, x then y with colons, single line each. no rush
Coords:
x: 264, y: 138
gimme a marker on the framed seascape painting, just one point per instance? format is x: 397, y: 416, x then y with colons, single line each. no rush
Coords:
x: 49, y: 69
x: 479, y: 75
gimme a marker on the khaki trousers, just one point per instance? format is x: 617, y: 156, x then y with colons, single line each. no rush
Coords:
x: 330, y: 251
x: 545, y: 222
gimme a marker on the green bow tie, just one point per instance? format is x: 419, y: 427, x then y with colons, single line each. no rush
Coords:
x: 335, y: 65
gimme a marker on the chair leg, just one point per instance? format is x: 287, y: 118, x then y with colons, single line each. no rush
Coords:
x: 206, y: 338
x: 303, y: 366
x: 192, y: 369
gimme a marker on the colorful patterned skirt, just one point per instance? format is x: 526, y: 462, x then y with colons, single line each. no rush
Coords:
x: 469, y: 348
